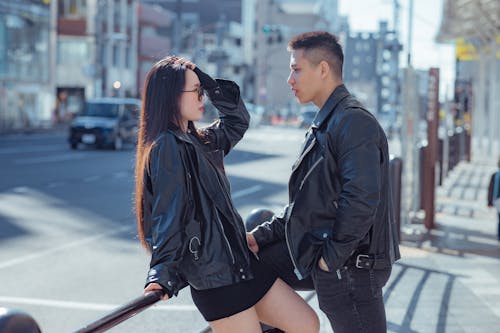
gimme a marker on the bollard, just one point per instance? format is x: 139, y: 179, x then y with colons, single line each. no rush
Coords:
x: 15, y: 321
x: 395, y: 171
x: 257, y: 216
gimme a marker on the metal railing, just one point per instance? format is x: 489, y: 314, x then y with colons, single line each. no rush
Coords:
x: 122, y: 313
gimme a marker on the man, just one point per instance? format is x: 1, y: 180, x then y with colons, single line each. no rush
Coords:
x: 337, y: 234
x: 494, y: 195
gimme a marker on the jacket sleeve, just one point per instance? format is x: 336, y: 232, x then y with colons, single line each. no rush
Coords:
x: 271, y: 231
x: 359, y: 166
x: 233, y: 120
x: 490, y: 190
x: 165, y: 234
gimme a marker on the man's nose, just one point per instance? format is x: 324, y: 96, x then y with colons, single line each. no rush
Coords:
x: 290, y: 80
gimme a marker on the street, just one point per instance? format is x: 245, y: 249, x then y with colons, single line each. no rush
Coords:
x: 68, y: 250
x: 69, y: 254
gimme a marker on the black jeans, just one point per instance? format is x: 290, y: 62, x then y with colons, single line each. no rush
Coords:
x: 351, y: 298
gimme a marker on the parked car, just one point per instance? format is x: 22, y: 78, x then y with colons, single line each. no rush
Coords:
x: 106, y: 122
x: 306, y: 118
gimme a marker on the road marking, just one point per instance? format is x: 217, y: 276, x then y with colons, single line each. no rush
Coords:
x: 32, y: 149
x: 86, y: 305
x: 40, y: 254
x: 247, y: 191
x: 50, y: 159
x: 91, y: 179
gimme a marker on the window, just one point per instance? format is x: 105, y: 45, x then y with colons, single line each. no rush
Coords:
x: 116, y: 55
x: 72, y: 52
x: 72, y: 8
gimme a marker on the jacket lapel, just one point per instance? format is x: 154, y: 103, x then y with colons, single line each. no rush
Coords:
x: 331, y: 103
x: 309, y: 143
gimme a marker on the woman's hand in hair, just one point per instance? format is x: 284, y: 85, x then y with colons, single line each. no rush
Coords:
x: 186, y: 63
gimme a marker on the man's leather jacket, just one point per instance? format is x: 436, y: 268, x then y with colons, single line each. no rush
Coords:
x: 339, y: 194
x: 194, y: 232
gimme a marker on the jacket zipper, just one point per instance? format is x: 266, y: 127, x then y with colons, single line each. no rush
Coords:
x: 309, y: 172
x: 308, y: 149
x: 287, y: 238
x: 225, y: 238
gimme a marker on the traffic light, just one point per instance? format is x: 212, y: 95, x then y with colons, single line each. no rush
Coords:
x: 273, y: 33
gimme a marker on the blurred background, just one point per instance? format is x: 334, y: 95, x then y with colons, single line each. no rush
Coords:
x: 428, y: 70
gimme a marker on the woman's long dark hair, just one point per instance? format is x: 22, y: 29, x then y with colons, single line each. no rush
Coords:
x: 160, y: 111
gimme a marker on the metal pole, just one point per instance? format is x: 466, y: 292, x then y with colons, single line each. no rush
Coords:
x: 410, y: 31
x: 493, y: 95
x: 53, y: 48
x: 122, y: 313
x: 446, y: 138
x: 431, y: 154
x: 177, y: 27
x: 480, y: 109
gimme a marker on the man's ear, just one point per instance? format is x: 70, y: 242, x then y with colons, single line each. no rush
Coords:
x: 324, y: 68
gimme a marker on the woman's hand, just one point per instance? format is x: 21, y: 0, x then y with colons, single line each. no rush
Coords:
x: 153, y: 287
x: 252, y: 243
x: 186, y: 63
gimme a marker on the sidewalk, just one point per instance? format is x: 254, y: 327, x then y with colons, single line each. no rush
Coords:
x: 450, y: 280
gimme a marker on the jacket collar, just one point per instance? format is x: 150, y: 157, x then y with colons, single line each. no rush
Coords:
x: 331, y: 103
x: 179, y: 134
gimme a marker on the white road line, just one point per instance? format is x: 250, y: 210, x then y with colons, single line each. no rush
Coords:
x: 32, y: 149
x: 247, y: 191
x: 91, y: 179
x: 40, y: 254
x: 49, y: 159
x: 85, y: 305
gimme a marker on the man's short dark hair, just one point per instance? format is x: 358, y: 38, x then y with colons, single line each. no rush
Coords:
x: 326, y: 43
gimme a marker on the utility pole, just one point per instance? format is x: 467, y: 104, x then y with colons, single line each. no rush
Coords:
x: 177, y: 28
x: 221, y: 56
x: 410, y: 32
x: 52, y: 47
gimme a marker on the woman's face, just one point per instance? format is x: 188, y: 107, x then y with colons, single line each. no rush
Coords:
x: 191, y: 103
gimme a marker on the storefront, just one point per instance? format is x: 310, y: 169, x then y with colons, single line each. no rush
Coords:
x: 25, y: 94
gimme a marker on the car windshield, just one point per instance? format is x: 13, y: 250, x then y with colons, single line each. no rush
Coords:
x: 107, y: 110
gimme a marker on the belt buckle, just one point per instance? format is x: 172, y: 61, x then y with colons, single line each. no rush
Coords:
x: 358, y: 260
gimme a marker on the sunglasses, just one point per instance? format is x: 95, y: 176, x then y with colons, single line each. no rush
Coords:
x: 199, y: 90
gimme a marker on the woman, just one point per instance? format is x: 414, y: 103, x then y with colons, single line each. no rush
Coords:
x: 185, y: 215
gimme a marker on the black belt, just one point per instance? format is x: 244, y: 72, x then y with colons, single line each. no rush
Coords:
x: 367, y: 261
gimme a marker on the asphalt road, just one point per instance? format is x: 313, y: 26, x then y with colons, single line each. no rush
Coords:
x: 68, y: 250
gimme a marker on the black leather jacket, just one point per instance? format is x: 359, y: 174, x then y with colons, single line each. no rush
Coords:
x: 195, y: 234
x: 339, y: 194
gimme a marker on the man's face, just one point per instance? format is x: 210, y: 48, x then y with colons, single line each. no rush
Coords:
x: 305, y: 77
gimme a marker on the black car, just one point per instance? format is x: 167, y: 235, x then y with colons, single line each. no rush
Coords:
x: 106, y: 122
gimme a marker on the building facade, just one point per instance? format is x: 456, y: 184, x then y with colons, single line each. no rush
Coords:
x: 25, y: 94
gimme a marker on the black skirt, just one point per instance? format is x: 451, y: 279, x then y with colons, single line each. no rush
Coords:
x: 218, y: 303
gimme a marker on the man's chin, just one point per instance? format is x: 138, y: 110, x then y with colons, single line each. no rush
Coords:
x: 301, y: 100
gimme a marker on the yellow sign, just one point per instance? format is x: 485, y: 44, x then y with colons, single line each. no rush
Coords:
x: 465, y: 51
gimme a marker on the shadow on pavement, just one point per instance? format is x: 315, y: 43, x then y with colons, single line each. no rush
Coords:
x: 426, y: 275
x: 10, y: 230
x: 458, y: 241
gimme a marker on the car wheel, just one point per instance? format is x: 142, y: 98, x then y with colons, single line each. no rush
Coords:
x: 118, y: 143
x: 74, y: 146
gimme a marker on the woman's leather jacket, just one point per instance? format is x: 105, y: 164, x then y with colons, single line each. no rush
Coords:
x: 195, y: 234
